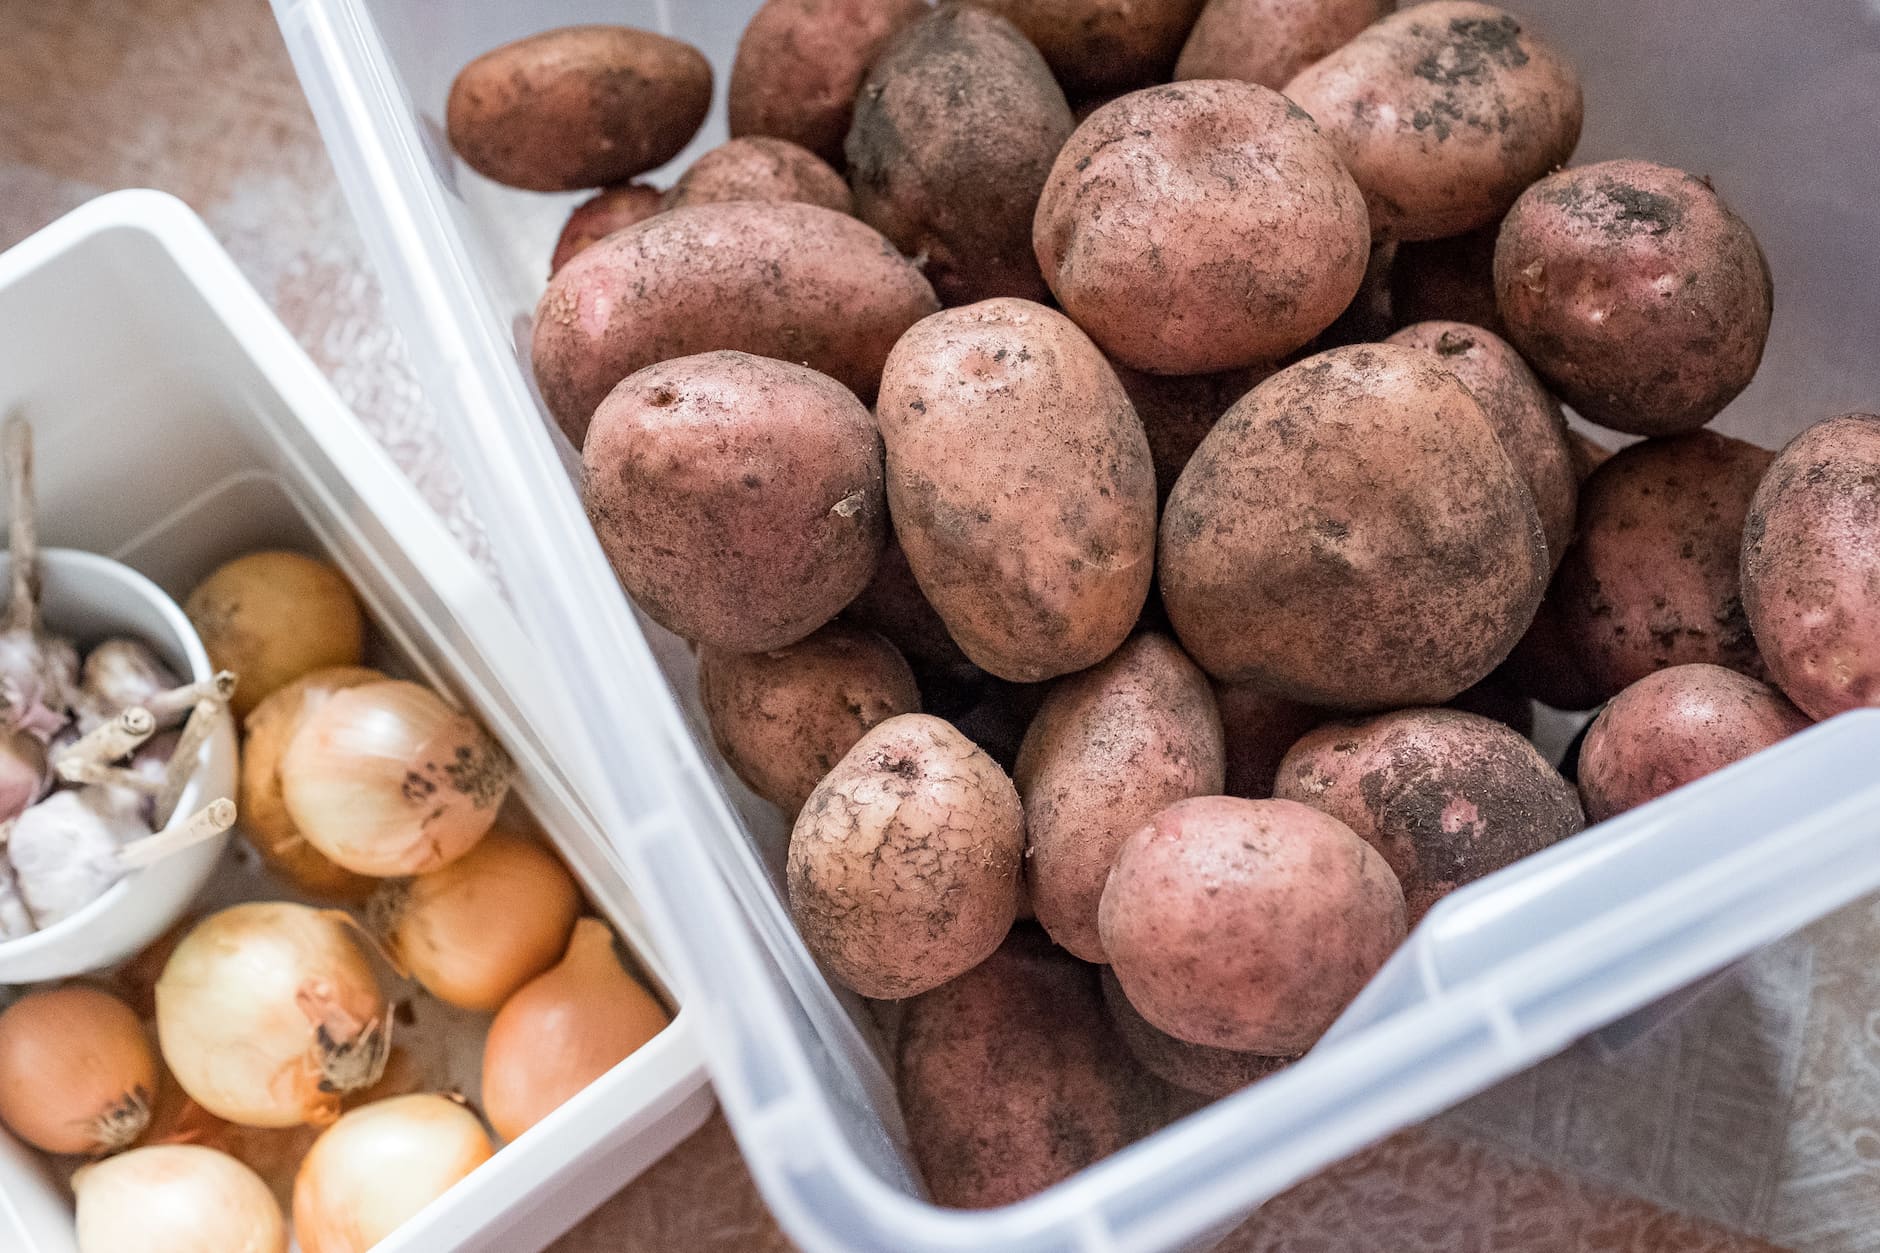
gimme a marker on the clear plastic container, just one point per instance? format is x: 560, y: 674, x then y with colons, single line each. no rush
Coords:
x: 176, y: 425
x: 1501, y: 975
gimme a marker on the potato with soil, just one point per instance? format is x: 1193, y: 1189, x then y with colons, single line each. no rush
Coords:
x: 797, y: 282
x: 1811, y: 566
x: 954, y: 134
x: 1012, y: 1078
x: 894, y: 605
x: 1248, y: 925
x: 1651, y: 579
x: 1101, y: 47
x: 1269, y: 41
x: 1636, y: 292
x: 1020, y: 484
x: 800, y: 64
x: 1110, y: 748
x: 1447, y: 797
x: 1258, y: 728
x: 784, y: 718
x: 594, y: 219
x: 903, y: 870
x: 1217, y: 205
x: 1178, y: 411
x: 760, y: 168
x: 1528, y: 420
x: 1445, y: 113
x: 581, y: 106
x: 1194, y: 1068
x: 739, y: 499
x: 1675, y: 726
x: 1338, y: 528
x: 1448, y: 280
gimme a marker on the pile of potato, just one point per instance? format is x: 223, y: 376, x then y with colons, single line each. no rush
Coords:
x: 1144, y: 506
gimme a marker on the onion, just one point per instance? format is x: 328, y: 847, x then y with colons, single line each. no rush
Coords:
x: 476, y: 930
x: 265, y: 820
x: 274, y: 616
x: 117, y: 674
x: 268, y: 1013
x: 566, y: 1028
x: 64, y: 850
x: 38, y: 671
x: 386, y: 779
x: 378, y: 1166
x: 176, y: 1198
x: 76, y: 1071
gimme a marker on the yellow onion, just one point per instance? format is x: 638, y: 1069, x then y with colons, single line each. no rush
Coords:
x: 386, y: 779
x: 566, y: 1028
x: 268, y: 1013
x: 176, y: 1198
x: 274, y: 616
x: 265, y: 820
x: 76, y: 1071
x: 476, y: 930
x: 378, y: 1166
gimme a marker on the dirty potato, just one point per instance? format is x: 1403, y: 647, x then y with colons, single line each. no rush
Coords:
x: 1269, y: 41
x: 1102, y: 47
x: 1196, y: 1068
x: 760, y: 168
x: 594, y: 219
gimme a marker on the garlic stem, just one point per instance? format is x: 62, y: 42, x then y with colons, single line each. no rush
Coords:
x: 182, y: 763
x: 107, y: 742
x: 23, y: 607
x: 205, y: 824
x: 167, y: 706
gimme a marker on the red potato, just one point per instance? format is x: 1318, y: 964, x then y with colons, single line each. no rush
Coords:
x: 995, y: 714
x: 1218, y: 205
x: 760, y: 168
x: 1501, y: 698
x: 1110, y: 748
x: 1811, y: 566
x: 1248, y: 925
x: 1191, y: 1067
x: 1367, y: 318
x: 894, y: 605
x: 1269, y: 41
x: 1101, y: 47
x: 1448, y: 280
x: 1543, y: 664
x: 1258, y: 728
x: 1446, y: 796
x: 594, y: 219
x: 1674, y: 726
x: 1178, y: 411
x: 1636, y: 292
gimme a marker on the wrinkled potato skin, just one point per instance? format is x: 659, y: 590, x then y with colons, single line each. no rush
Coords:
x: 738, y: 498
x: 1178, y: 411
x: 1258, y: 728
x: 1675, y: 726
x: 583, y: 106
x: 1248, y: 925
x: 1110, y: 748
x: 1811, y: 566
x: 1363, y: 487
x: 792, y: 281
x: 1447, y: 797
x: 1218, y: 204
x: 594, y: 219
x: 800, y: 63
x: 1194, y: 1068
x: 760, y: 168
x: 1652, y: 577
x: 903, y: 869
x: 1269, y: 41
x: 1012, y: 1078
x: 954, y: 134
x: 784, y: 718
x: 1636, y: 293
x: 1098, y: 47
x: 1020, y: 484
x: 1448, y: 280
x: 1445, y: 113
x: 1526, y: 418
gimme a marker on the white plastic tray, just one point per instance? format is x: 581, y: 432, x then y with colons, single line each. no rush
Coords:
x: 177, y: 424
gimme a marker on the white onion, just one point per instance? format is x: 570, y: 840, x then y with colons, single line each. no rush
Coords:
x: 176, y: 1198
x: 379, y: 1165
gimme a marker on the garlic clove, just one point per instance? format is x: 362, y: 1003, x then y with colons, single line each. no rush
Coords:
x: 116, y: 675
x: 64, y: 850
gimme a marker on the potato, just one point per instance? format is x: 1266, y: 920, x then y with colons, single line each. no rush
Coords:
x: 1651, y: 580
x: 1353, y: 535
x: 903, y: 869
x: 801, y: 62
x: 1216, y: 205
x: 995, y: 714
x: 1447, y: 797
x: 1543, y: 665
x: 954, y: 133
x: 1367, y: 319
x: 1445, y: 113
x: 1528, y: 420
x: 793, y: 281
x: 784, y: 718
x: 1012, y: 1078
x: 1674, y: 726
x: 582, y: 106
x: 1191, y: 1067
x: 1588, y: 455
x: 1258, y: 728
x: 1178, y: 411
x: 1269, y: 41
x: 1098, y: 47
x: 1247, y: 925
x: 894, y: 605
x: 273, y: 616
x: 594, y: 219
x: 1501, y: 698
x: 1110, y: 748
x: 1636, y: 293
x: 1811, y: 566
x: 760, y: 168
x: 738, y: 498
x: 1448, y: 280
x: 1020, y: 485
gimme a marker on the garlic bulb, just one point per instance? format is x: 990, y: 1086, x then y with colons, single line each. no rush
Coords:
x: 38, y: 671
x: 117, y: 674
x: 379, y: 1165
x: 176, y: 1198
x: 15, y: 921
x: 64, y: 850
x: 76, y: 1071
x: 24, y: 777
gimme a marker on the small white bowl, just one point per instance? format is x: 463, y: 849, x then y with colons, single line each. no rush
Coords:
x: 88, y: 598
